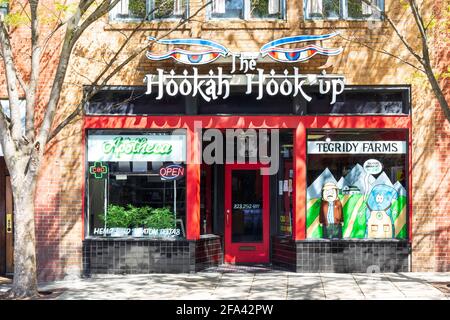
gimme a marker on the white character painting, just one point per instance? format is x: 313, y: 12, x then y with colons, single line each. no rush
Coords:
x: 379, y: 220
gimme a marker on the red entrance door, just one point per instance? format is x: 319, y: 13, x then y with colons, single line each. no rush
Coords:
x: 246, y: 214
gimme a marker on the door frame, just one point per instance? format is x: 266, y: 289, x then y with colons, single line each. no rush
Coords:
x: 9, y: 210
x: 2, y: 217
x: 208, y: 199
x: 234, y: 251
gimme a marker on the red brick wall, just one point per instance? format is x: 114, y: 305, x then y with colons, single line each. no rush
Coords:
x: 440, y: 45
x: 59, y: 196
x: 59, y: 206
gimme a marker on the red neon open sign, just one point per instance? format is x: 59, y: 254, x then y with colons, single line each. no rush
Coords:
x: 172, y: 172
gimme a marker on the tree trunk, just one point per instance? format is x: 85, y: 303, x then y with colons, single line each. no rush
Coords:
x: 25, y: 282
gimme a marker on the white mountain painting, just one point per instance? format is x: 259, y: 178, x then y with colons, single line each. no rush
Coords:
x: 340, y: 183
x: 400, y: 189
x: 383, y: 179
x: 315, y: 189
x: 356, y: 177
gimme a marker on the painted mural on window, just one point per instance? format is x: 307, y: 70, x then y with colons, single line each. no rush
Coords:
x: 356, y: 195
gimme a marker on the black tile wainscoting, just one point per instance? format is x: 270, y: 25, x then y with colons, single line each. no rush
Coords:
x: 344, y: 256
x: 140, y: 256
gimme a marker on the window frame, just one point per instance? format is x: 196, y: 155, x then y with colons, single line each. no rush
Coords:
x: 148, y: 7
x: 192, y: 106
x: 407, y: 167
x: 120, y: 131
x: 246, y: 14
x: 4, y: 10
x: 343, y: 13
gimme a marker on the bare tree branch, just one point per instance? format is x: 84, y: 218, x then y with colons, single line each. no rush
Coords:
x: 56, y: 15
x: 103, y: 8
x: 383, y: 51
x: 51, y: 34
x: 429, y: 23
x: 418, y: 17
x: 394, y: 27
x: 31, y: 94
x: 6, y: 141
x: 22, y: 83
x: 424, y: 60
x: 81, y: 75
x: 11, y: 84
x: 24, y: 10
x: 95, y: 87
x: 124, y: 44
x: 423, y: 33
x: 427, y: 61
x: 73, y: 32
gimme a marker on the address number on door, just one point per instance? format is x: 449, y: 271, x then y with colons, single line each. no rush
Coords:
x: 246, y: 206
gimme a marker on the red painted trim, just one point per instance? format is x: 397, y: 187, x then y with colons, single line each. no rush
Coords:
x: 222, y: 122
x: 192, y: 186
x: 410, y: 186
x: 232, y: 253
x: 299, y: 123
x: 299, y: 230
x: 83, y: 183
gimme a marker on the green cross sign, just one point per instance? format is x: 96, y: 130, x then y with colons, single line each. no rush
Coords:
x: 98, y: 170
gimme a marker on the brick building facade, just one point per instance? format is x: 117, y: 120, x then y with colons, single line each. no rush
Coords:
x: 60, y: 204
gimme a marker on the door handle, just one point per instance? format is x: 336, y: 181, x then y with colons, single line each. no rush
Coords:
x: 228, y: 214
x: 9, y: 225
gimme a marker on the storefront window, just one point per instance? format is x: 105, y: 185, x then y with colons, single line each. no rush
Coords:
x: 265, y: 8
x: 133, y: 101
x: 285, y: 184
x: 4, y: 9
x: 343, y: 9
x: 136, y: 184
x: 227, y: 9
x: 149, y: 10
x: 357, y: 184
x: 247, y: 9
x: 362, y: 100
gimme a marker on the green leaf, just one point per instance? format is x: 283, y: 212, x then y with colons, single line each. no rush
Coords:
x: 61, y: 6
x: 16, y: 19
x: 134, y: 217
x: 160, y: 218
x: 404, y: 4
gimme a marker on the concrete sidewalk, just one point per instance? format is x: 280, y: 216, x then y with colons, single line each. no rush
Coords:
x: 248, y: 286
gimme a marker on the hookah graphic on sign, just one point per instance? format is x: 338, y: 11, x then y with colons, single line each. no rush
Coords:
x: 213, y: 85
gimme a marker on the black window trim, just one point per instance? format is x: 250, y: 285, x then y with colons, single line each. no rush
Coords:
x: 298, y: 107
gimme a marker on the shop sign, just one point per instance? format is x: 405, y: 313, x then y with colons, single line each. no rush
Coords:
x: 373, y: 166
x: 172, y: 172
x: 356, y: 147
x: 98, y: 170
x: 215, y: 84
x: 137, y: 148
